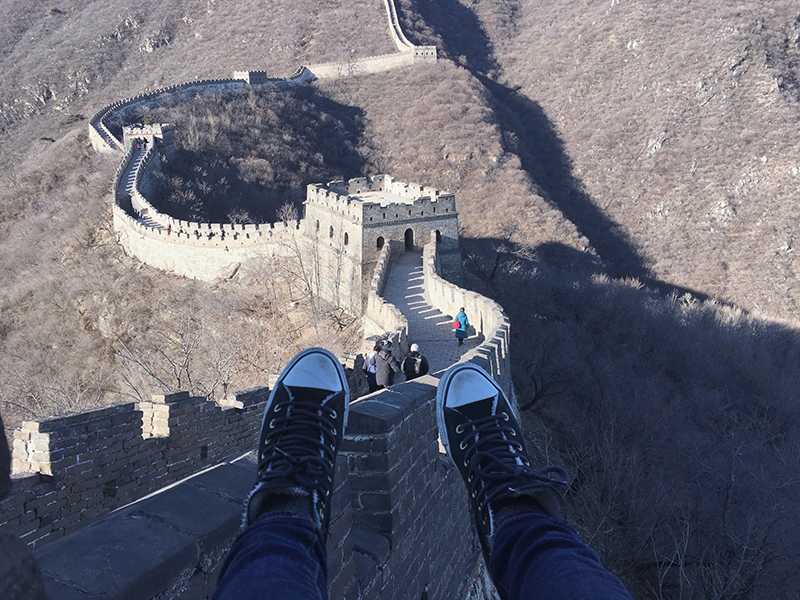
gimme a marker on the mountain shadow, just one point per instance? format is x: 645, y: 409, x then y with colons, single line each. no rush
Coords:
x: 676, y: 419
x: 529, y: 133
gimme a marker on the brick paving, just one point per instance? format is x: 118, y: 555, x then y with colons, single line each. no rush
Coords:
x: 427, y: 326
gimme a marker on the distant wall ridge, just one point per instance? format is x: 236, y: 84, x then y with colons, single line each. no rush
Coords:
x: 208, y: 251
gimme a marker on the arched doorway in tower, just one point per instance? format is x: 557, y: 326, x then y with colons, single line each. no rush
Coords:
x: 409, y: 237
x: 379, y: 243
x: 438, y: 236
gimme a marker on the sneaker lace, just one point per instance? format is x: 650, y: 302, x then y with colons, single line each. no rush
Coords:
x: 497, y: 463
x: 300, y: 444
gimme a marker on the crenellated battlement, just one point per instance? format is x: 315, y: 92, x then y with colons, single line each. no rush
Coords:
x: 208, y: 251
x: 252, y: 77
x: 70, y: 470
x: 380, y: 198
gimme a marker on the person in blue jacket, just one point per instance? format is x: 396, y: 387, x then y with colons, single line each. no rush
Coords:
x: 463, y: 326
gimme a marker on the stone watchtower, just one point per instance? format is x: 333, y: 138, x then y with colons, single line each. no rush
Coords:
x: 162, y: 133
x: 347, y: 223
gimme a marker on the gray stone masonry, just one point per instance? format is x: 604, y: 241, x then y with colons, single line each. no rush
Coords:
x: 400, y: 526
x: 69, y: 471
x: 19, y: 575
x: 413, y: 533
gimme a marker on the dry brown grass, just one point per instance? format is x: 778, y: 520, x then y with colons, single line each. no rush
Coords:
x: 677, y: 418
x: 242, y: 156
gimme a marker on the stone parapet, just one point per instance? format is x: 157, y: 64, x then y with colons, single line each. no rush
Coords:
x: 400, y: 525
x: 395, y: 29
x: 363, y: 66
x: 486, y: 316
x: 68, y: 471
x: 205, y: 254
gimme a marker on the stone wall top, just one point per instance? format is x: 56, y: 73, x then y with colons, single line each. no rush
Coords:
x: 380, y: 198
x: 70, y: 470
x: 391, y: 481
x: 486, y: 315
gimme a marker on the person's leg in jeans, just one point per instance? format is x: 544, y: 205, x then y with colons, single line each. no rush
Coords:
x: 281, y: 552
x: 530, y: 551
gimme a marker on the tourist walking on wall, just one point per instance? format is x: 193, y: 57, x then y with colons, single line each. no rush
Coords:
x: 461, y: 326
x: 386, y: 366
x: 371, y: 367
x: 530, y: 551
x: 414, y: 364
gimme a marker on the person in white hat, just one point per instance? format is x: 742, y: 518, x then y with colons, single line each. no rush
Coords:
x: 414, y: 364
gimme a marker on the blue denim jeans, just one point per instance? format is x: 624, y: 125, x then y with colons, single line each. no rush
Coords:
x: 537, y: 556
x: 280, y: 557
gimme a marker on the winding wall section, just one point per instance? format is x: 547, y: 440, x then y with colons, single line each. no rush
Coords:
x: 392, y: 487
x: 207, y: 251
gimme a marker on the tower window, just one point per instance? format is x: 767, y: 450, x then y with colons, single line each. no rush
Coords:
x: 346, y: 238
x: 330, y: 232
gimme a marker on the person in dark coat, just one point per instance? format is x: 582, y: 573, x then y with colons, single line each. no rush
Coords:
x: 461, y: 326
x: 386, y: 366
x: 414, y: 364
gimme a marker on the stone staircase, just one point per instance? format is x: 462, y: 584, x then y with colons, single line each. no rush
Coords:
x: 427, y: 326
x: 137, y: 157
x: 129, y: 178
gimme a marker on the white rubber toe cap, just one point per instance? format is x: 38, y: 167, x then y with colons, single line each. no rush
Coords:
x: 314, y: 370
x: 467, y: 386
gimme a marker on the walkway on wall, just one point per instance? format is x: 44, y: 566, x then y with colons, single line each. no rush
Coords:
x: 129, y: 181
x: 427, y: 326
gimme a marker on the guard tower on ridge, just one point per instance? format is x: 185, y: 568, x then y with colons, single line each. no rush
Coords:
x: 347, y: 223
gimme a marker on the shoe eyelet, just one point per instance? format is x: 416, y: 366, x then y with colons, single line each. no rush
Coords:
x: 513, y: 433
x: 505, y: 416
x: 474, y: 495
x: 465, y: 464
x: 334, y: 414
x: 272, y: 423
x: 277, y: 408
x: 459, y: 428
x: 463, y: 445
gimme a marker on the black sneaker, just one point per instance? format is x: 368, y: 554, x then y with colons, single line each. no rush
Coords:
x: 481, y: 431
x: 303, y: 424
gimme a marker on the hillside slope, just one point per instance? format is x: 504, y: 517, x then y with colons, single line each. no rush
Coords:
x: 663, y: 131
x: 80, y: 54
x: 586, y: 142
x: 80, y: 322
x: 675, y: 416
